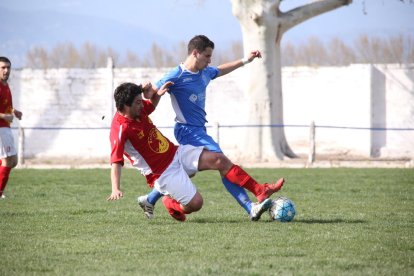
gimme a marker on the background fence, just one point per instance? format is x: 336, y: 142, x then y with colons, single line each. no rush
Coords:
x: 359, y: 111
x: 214, y: 130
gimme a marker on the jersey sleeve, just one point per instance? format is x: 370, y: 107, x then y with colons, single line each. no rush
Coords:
x: 212, y: 72
x: 118, y: 139
x: 172, y: 75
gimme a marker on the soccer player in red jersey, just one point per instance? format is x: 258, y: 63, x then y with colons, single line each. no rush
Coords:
x: 8, y: 152
x: 134, y: 135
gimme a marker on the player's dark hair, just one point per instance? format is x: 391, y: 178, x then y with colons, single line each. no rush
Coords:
x: 4, y: 59
x: 199, y: 43
x: 125, y: 94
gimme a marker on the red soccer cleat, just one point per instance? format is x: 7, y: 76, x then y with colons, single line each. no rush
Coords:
x: 173, y: 207
x: 270, y: 189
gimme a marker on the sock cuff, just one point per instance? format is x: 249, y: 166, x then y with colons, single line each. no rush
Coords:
x: 237, y: 175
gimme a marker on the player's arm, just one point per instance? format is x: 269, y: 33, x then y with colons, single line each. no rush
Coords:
x: 7, y: 117
x: 150, y: 93
x: 116, y: 169
x: 231, y: 66
x: 153, y: 94
x: 164, y: 88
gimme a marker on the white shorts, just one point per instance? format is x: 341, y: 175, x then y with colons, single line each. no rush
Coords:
x: 175, y: 180
x: 7, y: 147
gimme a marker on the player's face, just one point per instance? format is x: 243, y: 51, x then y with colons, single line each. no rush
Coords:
x: 134, y: 110
x: 204, y: 58
x: 4, y: 71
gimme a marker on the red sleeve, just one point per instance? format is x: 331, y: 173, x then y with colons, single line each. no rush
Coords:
x: 117, y: 137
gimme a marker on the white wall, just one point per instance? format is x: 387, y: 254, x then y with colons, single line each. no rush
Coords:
x: 357, y: 96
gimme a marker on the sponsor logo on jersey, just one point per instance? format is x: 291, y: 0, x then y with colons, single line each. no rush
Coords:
x: 193, y: 98
x: 140, y: 134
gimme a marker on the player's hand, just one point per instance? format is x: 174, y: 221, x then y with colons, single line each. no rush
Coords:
x: 18, y: 114
x: 115, y: 195
x: 253, y: 55
x: 164, y: 88
x: 148, y: 90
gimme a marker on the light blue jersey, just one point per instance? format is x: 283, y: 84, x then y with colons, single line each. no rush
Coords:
x: 188, y: 93
x: 188, y: 98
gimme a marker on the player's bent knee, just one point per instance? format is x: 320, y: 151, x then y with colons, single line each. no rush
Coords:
x: 223, y: 163
x: 11, y: 161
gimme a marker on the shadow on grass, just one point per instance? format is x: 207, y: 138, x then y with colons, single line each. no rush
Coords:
x: 214, y: 220
x: 327, y: 221
x: 305, y: 221
x: 209, y: 220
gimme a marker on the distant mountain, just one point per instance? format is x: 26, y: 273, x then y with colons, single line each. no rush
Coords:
x: 22, y: 30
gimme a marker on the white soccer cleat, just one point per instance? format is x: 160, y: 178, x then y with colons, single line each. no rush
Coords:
x: 147, y: 207
x: 2, y: 197
x: 259, y: 208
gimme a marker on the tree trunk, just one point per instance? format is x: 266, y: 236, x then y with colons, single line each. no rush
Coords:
x: 263, y: 24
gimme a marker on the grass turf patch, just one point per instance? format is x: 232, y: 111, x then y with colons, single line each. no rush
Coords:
x: 348, y: 222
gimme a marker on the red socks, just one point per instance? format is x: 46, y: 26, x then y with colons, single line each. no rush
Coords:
x: 4, y: 177
x: 238, y: 176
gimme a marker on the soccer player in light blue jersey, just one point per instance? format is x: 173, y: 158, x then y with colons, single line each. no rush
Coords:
x: 188, y: 97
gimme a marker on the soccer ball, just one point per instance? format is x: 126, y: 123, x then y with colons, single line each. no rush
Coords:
x: 282, y: 209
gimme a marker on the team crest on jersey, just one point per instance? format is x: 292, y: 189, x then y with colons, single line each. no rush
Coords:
x: 157, y: 142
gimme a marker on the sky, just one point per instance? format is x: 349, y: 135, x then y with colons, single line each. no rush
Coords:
x: 136, y: 24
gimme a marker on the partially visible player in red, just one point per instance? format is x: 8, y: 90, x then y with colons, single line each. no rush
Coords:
x: 134, y: 135
x: 8, y: 152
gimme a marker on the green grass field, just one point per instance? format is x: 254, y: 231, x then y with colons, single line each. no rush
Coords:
x: 348, y: 222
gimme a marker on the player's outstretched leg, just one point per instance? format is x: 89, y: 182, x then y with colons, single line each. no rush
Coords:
x: 238, y: 176
x: 174, y: 208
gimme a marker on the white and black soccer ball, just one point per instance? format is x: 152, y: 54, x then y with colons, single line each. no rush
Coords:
x: 282, y: 209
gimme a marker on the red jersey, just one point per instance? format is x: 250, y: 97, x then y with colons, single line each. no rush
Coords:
x: 140, y: 141
x: 6, y: 104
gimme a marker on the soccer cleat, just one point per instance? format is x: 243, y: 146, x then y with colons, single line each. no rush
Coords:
x: 259, y: 208
x: 173, y: 208
x: 2, y: 197
x: 147, y: 207
x: 270, y: 189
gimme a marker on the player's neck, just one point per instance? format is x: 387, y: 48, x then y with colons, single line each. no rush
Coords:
x: 190, y: 65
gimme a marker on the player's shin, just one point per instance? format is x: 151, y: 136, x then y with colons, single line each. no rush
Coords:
x: 239, y: 194
x: 240, y: 177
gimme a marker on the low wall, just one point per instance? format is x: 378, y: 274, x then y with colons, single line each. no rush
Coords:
x: 358, y: 110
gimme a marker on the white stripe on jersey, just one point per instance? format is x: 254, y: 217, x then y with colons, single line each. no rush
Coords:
x: 179, y: 118
x: 137, y: 160
x: 120, y: 133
